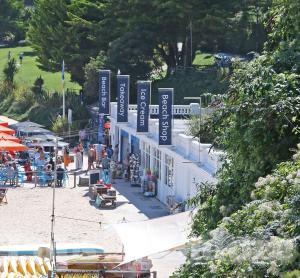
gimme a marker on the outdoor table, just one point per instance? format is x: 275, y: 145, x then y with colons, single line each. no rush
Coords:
x: 105, y: 199
x: 97, y: 189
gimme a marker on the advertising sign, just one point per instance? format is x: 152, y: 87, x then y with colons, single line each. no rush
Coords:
x: 123, y: 98
x: 165, y: 116
x: 143, y: 103
x: 104, y: 92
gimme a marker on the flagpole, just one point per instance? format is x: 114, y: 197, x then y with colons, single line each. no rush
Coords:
x: 63, y: 88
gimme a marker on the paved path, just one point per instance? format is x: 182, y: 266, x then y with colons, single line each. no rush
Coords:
x: 26, y: 219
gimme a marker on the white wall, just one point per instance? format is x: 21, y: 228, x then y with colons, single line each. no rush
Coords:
x: 185, y: 152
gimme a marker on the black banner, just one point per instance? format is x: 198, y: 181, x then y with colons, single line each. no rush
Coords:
x: 165, y: 116
x: 104, y: 92
x: 123, y: 98
x: 143, y: 103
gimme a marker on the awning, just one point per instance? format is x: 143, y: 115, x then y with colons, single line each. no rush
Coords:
x: 145, y: 238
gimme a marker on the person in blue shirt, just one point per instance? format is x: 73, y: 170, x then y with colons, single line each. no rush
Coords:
x: 109, y: 151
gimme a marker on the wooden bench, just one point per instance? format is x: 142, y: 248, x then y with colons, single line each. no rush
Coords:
x: 3, y: 198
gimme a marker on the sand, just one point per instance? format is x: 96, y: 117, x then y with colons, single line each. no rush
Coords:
x: 26, y: 219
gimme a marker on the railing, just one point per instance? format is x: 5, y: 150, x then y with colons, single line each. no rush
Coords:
x: 177, y: 109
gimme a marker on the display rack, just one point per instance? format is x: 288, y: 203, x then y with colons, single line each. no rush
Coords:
x: 134, y: 163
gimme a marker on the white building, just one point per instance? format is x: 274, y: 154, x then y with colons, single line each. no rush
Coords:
x: 176, y: 165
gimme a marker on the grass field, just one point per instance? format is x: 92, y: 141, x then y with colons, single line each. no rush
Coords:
x: 29, y: 70
x: 204, y: 59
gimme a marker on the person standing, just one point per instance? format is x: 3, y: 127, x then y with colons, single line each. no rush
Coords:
x: 109, y: 151
x: 91, y: 157
x: 78, y: 158
x: 105, y: 168
x: 81, y: 149
x: 60, y: 175
x: 67, y: 159
x: 115, y: 155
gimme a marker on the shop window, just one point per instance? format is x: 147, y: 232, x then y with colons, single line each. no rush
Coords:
x: 169, y: 170
x: 157, y: 162
x: 145, y: 155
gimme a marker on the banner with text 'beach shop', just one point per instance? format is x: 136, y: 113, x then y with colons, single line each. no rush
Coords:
x: 143, y: 103
x: 165, y: 102
x: 104, y: 92
x: 123, y: 98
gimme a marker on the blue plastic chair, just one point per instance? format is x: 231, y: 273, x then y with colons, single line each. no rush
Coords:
x: 65, y: 181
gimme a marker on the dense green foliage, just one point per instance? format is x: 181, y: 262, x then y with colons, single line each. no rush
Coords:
x: 13, y: 20
x: 257, y: 126
x: 139, y: 37
x: 252, y: 223
x: 259, y: 240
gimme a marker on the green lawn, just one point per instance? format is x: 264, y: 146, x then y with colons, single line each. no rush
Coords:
x: 29, y: 70
x: 204, y: 59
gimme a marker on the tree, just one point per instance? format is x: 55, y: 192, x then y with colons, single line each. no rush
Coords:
x: 11, y: 25
x: 140, y: 36
x: 48, y: 33
x: 10, y: 70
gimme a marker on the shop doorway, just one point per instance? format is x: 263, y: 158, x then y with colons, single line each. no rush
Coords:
x: 125, y: 148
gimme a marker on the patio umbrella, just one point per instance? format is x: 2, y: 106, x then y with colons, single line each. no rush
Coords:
x: 26, y: 124
x: 4, y: 123
x: 8, y: 120
x: 7, y: 145
x: 6, y: 130
x: 5, y: 136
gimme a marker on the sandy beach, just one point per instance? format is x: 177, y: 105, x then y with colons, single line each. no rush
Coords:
x: 26, y: 219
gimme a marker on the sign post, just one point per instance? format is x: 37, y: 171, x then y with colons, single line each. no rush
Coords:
x: 143, y: 103
x: 165, y: 116
x: 123, y: 98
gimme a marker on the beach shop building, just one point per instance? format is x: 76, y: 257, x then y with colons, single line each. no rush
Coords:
x: 177, y: 168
